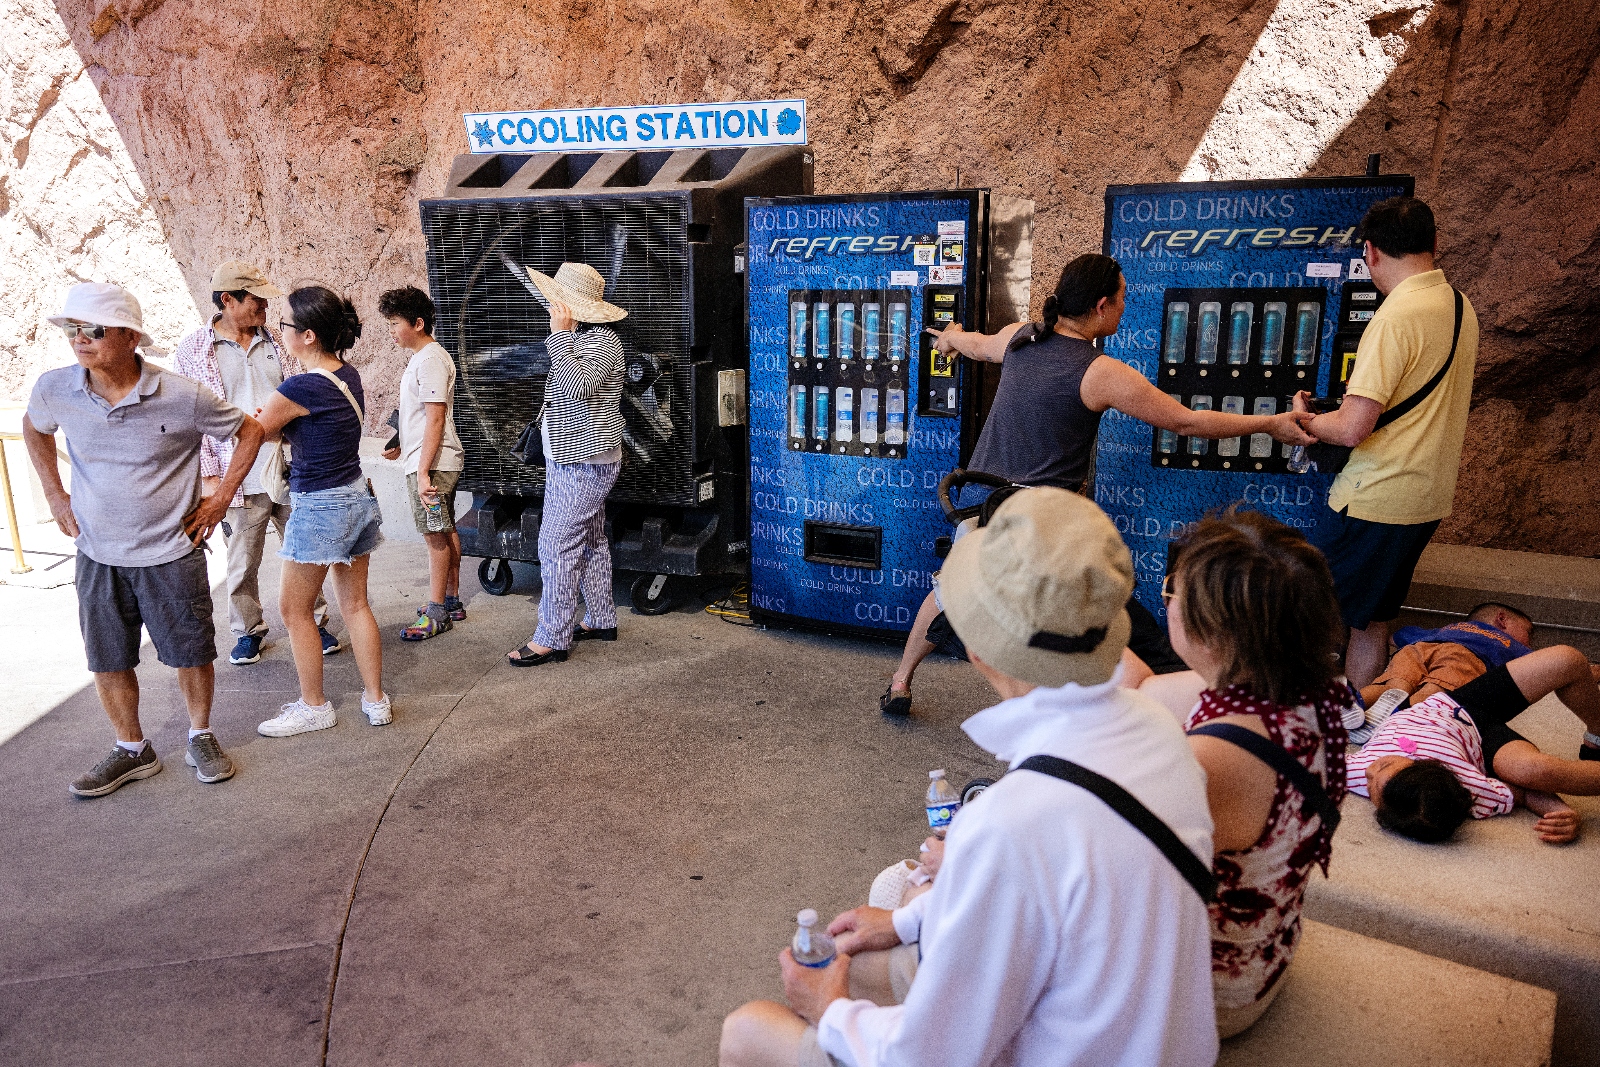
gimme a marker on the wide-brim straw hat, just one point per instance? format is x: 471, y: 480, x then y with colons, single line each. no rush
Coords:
x: 580, y: 287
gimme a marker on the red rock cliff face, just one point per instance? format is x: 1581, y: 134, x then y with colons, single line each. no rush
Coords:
x: 302, y: 136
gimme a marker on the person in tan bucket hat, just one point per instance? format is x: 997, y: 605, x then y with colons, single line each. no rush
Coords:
x: 1056, y: 933
x: 243, y: 360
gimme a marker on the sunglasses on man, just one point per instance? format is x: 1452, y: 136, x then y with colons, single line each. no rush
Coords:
x: 93, y: 333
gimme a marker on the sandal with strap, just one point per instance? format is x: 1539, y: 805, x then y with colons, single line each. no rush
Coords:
x: 425, y: 627
x: 527, y: 656
x: 890, y: 704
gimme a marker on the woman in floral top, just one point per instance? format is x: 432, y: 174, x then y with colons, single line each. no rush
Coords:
x: 1251, y: 608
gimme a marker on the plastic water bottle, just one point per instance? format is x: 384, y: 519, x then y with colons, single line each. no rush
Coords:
x: 811, y: 947
x: 433, y: 514
x: 942, y: 804
x: 1300, y: 462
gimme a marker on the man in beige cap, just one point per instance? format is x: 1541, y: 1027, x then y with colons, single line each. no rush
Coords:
x: 1059, y: 931
x: 243, y: 360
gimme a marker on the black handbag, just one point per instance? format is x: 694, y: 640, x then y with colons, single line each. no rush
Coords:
x: 1331, y: 459
x: 529, y: 448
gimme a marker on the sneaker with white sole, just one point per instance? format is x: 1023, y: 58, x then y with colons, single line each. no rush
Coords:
x: 1385, y: 706
x: 298, y: 717
x: 378, y: 713
x: 1361, y: 735
x: 205, y: 755
x: 116, y: 771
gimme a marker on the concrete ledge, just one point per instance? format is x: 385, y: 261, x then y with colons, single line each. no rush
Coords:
x: 1353, y: 1000
x: 1558, y: 591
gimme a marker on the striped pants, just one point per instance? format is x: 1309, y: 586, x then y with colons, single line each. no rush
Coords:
x: 573, y: 553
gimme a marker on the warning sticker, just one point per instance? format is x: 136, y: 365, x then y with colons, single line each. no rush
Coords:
x: 957, y: 228
x: 904, y: 277
x: 945, y: 275
x: 1323, y: 270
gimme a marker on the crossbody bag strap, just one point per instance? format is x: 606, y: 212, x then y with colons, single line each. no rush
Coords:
x: 1405, y: 406
x: 345, y: 389
x: 1125, y: 804
x: 1316, y: 798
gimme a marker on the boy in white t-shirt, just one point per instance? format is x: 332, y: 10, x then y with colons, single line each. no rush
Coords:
x: 431, y: 451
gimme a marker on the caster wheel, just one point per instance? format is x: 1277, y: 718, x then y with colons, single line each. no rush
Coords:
x: 651, y: 594
x: 973, y: 788
x: 495, y: 576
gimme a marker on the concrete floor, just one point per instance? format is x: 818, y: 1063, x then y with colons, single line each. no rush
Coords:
x: 590, y: 860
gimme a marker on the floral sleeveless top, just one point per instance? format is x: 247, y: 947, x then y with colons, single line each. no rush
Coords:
x: 1255, y: 919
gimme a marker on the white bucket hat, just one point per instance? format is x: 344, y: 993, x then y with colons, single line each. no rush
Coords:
x: 580, y: 287
x: 103, y: 304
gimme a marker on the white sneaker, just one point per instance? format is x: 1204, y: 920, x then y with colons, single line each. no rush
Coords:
x: 1385, y: 706
x: 299, y: 718
x: 378, y: 713
x: 1354, y: 714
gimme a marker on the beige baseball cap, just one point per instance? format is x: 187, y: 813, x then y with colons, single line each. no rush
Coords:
x: 1040, y: 592
x: 236, y: 274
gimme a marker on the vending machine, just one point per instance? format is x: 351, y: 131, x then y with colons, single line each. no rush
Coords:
x: 855, y: 414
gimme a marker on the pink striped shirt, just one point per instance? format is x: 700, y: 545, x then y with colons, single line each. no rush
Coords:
x: 1439, y: 729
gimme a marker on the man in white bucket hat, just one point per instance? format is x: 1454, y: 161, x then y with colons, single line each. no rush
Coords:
x: 1059, y: 931
x: 133, y: 431
x: 581, y: 426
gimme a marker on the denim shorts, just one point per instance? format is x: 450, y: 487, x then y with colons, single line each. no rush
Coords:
x: 332, y: 525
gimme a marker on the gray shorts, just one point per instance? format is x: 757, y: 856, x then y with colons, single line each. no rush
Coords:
x: 171, y: 600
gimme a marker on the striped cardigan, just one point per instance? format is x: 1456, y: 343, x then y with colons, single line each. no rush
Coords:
x: 196, y: 359
x: 583, y: 395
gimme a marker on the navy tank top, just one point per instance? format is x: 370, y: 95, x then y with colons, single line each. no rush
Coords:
x: 1039, y: 432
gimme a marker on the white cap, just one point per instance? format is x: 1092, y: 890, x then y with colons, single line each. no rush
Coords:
x: 936, y: 774
x: 807, y: 917
x: 103, y: 304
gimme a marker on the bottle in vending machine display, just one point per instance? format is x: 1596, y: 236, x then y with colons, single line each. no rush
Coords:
x: 799, y: 340
x: 844, y: 404
x: 821, y: 321
x: 1209, y: 333
x: 1241, y: 319
x: 847, y: 330
x: 820, y: 427
x: 1176, y: 345
x: 797, y: 412
x: 1199, y: 446
x: 1167, y: 440
x: 869, y: 416
x: 871, y: 324
x: 897, y: 333
x: 1307, y: 327
x: 1261, y: 443
x: 1272, y: 319
x: 894, y: 432
x: 1231, y: 405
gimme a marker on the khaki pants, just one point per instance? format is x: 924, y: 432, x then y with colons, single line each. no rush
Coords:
x: 245, y: 545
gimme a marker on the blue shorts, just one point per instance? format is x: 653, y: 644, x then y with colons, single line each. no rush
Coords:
x: 1372, y: 563
x: 332, y: 525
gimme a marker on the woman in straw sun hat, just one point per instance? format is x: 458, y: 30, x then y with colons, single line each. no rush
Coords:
x: 581, y: 424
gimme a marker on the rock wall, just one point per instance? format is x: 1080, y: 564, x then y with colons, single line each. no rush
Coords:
x: 303, y: 137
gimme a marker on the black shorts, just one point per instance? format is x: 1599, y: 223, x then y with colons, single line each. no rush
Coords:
x: 171, y: 600
x: 1148, y: 640
x: 1492, y: 700
x: 1372, y: 564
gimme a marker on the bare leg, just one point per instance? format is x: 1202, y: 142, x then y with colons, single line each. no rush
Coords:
x: 917, y: 646
x: 1562, y: 670
x: 1520, y: 764
x: 119, y: 695
x: 1368, y: 651
x: 452, y: 580
x: 350, y: 585
x: 869, y: 978
x: 761, y: 1034
x: 199, y: 684
x: 439, y: 564
x: 297, y: 596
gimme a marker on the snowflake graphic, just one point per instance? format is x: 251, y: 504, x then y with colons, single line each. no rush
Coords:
x: 788, y: 121
x: 482, y: 132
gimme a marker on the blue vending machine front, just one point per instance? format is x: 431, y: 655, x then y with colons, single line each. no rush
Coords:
x: 855, y: 415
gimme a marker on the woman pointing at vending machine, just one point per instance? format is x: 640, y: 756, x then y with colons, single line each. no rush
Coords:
x: 1053, y: 390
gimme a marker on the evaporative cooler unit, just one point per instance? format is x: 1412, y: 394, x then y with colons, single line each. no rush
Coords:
x: 661, y: 228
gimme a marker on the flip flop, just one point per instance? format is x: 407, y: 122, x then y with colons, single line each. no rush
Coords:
x: 890, y: 704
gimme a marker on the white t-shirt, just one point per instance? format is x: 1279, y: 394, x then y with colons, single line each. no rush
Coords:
x: 430, y: 378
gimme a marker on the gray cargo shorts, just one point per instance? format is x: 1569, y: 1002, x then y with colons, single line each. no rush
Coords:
x: 171, y: 600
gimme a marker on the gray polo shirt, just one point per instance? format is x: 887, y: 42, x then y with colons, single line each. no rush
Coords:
x: 135, y: 466
x: 249, y: 377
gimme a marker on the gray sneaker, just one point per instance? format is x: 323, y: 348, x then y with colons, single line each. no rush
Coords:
x: 210, y: 763
x: 117, y: 770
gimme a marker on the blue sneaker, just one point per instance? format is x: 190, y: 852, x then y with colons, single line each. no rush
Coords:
x: 248, y: 650
x: 330, y: 643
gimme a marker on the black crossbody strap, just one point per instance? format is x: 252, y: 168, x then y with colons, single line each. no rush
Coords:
x: 1274, y: 756
x: 1125, y: 804
x: 1405, y: 406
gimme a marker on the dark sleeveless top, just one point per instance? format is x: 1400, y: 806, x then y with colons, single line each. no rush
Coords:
x: 1039, y: 432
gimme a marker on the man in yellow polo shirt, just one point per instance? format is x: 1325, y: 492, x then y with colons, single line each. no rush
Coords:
x: 1401, y: 479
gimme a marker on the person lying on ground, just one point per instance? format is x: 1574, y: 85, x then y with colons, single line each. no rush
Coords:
x: 1432, y: 765
x: 1436, y: 661
x: 1056, y: 932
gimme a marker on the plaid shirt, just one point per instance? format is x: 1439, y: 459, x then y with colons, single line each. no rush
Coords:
x: 196, y: 358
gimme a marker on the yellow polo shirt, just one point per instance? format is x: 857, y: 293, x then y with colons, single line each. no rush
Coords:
x: 1406, y: 472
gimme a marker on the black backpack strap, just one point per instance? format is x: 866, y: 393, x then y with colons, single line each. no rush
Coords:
x: 1316, y: 798
x: 1405, y: 406
x: 1125, y: 804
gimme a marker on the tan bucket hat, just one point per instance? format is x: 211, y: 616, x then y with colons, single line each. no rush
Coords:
x: 236, y: 274
x: 580, y: 287
x: 1040, y: 592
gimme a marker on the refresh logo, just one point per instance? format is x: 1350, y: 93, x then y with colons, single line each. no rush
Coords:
x: 807, y: 248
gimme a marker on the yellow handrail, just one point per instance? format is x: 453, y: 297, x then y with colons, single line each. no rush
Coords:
x: 21, y: 566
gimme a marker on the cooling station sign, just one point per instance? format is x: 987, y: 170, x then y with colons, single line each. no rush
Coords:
x: 738, y: 124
